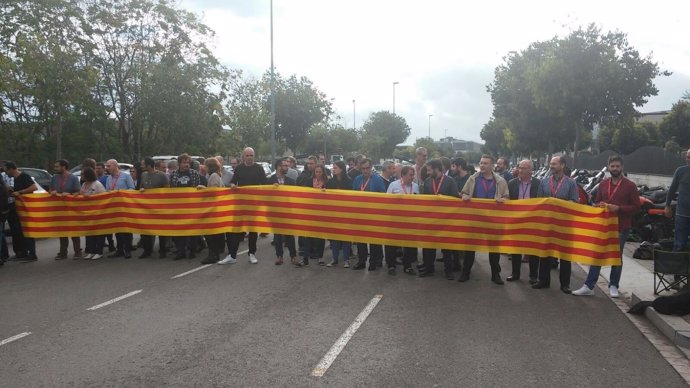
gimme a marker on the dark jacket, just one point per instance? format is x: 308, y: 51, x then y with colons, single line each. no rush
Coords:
x: 448, y: 187
x: 514, y: 188
x: 335, y: 184
x: 274, y: 179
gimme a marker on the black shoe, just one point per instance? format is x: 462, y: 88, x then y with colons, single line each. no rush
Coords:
x: 512, y: 278
x: 210, y: 260
x: 145, y: 255
x: 449, y: 275
x: 391, y: 271
x: 179, y: 257
x: 116, y: 254
x: 28, y: 259
x: 128, y: 255
x: 540, y: 285
x: 497, y: 280
x: 464, y: 277
x: 532, y: 281
x: 424, y: 274
x: 409, y: 271
x: 566, y: 290
x: 18, y: 257
x: 359, y: 266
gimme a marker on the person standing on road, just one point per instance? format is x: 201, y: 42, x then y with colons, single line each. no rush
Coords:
x: 185, y: 176
x: 91, y: 186
x: 681, y: 185
x: 560, y: 186
x: 318, y: 181
x: 280, y: 178
x: 407, y: 186
x: 117, y: 180
x: 524, y: 187
x: 215, y: 241
x: 24, y: 247
x: 485, y: 184
x: 340, y: 181
x: 459, y: 172
x: 619, y: 195
x: 367, y: 181
x: 4, y: 209
x: 65, y: 183
x: 246, y: 174
x: 152, y: 178
x: 420, y: 157
x: 503, y: 169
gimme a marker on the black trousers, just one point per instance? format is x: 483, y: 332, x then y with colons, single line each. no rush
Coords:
x: 429, y: 258
x: 64, y: 244
x: 184, y: 244
x: 374, y: 251
x: 409, y: 257
x: 494, y: 262
x: 545, y: 271
x: 516, y: 261
x: 124, y: 242
x: 148, y: 241
x: 390, y: 253
x: 215, y: 244
x: 236, y: 239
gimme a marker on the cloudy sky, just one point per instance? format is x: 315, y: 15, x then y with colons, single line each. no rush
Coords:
x: 442, y: 53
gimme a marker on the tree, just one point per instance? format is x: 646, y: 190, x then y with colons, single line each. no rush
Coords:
x: 677, y: 124
x: 381, y: 132
x: 493, y: 134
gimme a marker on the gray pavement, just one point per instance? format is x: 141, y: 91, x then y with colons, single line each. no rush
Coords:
x: 267, y: 325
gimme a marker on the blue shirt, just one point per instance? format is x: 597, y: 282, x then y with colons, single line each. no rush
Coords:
x: 124, y: 182
x: 374, y: 184
x: 680, y: 184
x: 566, y: 190
x: 485, y: 188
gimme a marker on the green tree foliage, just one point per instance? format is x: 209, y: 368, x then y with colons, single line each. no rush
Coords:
x: 626, y: 139
x: 381, y: 132
x: 677, y: 124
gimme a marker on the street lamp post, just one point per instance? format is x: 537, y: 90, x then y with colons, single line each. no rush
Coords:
x: 273, y: 97
x: 430, y: 126
x: 394, y: 83
x: 354, y: 111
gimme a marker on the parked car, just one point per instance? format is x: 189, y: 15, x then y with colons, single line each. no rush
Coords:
x: 42, y: 177
x: 267, y: 168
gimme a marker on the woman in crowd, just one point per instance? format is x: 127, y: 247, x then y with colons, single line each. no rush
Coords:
x: 215, y: 241
x: 340, y: 181
x: 91, y: 186
x: 318, y: 181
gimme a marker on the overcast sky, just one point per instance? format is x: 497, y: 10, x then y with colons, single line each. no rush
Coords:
x: 442, y: 53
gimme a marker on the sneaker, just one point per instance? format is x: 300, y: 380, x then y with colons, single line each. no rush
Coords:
x: 252, y: 259
x: 583, y: 291
x: 29, y: 259
x: 96, y: 256
x: 228, y: 260
x: 321, y: 262
x: 346, y: 264
x: 61, y: 256
x: 613, y: 290
x: 332, y: 264
x: 279, y: 260
x: 88, y: 256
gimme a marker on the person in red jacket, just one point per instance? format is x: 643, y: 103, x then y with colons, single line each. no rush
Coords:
x: 618, y: 195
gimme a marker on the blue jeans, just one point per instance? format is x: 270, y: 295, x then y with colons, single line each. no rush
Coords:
x: 337, y: 246
x: 682, y: 229
x: 616, y: 270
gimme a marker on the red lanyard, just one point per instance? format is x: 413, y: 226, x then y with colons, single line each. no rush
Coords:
x: 63, y: 179
x: 405, y: 190
x: 487, y: 189
x: 113, y: 181
x: 615, y: 188
x: 317, y: 184
x: 553, y: 193
x: 364, y: 186
x: 526, y: 190
x: 86, y: 188
x: 440, y: 182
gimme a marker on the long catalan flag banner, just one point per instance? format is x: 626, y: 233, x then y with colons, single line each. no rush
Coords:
x: 542, y: 227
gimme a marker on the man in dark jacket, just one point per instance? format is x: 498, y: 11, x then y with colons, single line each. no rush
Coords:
x: 280, y: 178
x: 524, y: 187
x: 185, y: 176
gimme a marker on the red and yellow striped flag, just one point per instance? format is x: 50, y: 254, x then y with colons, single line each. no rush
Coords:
x: 542, y: 227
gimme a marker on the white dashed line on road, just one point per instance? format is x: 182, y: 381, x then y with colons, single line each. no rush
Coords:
x: 339, y: 345
x: 202, y: 267
x: 14, y: 338
x: 111, y: 301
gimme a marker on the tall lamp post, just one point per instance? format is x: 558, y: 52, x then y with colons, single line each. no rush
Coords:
x: 354, y: 112
x: 273, y: 97
x: 430, y: 126
x: 394, y: 83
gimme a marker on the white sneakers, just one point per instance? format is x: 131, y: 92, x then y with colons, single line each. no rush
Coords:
x: 96, y: 256
x: 613, y: 291
x: 88, y: 256
x: 583, y: 291
x: 252, y: 259
x: 228, y: 260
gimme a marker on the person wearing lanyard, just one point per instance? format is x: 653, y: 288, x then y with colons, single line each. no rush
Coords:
x: 64, y: 183
x: 437, y: 183
x: 562, y: 187
x: 280, y: 178
x: 117, y: 180
x: 420, y: 155
x: 406, y: 186
x: 524, y: 187
x: 372, y: 183
x: 617, y: 195
x: 484, y: 184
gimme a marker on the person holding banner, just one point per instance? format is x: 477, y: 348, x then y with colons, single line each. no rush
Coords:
x: 560, y: 186
x: 367, y: 181
x: 117, y: 180
x: 317, y: 181
x: 340, y: 181
x: 484, y: 184
x: 525, y: 186
x: 405, y: 185
x: 281, y: 178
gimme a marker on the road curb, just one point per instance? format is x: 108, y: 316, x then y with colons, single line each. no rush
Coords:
x: 676, y: 329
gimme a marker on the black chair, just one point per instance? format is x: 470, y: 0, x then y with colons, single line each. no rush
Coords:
x: 670, y: 263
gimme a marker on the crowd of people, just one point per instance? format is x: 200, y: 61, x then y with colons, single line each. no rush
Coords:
x: 449, y: 177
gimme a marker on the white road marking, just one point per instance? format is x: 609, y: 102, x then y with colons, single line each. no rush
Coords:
x: 339, y: 345
x: 14, y: 338
x: 202, y: 267
x: 111, y: 301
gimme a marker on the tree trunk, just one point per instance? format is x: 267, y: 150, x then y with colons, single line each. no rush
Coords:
x: 576, y: 146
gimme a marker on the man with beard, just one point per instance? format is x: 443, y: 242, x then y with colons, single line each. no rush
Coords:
x: 618, y: 195
x: 524, y: 187
x: 438, y: 183
x: 152, y: 178
x: 370, y: 182
x: 280, y: 178
x: 503, y: 169
x: 562, y: 187
x: 117, y: 180
x: 484, y: 184
x: 185, y: 176
x: 246, y: 174
x: 64, y: 183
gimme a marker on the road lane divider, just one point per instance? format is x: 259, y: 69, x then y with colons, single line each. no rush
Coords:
x: 14, y: 338
x: 202, y: 267
x: 111, y: 301
x: 339, y: 345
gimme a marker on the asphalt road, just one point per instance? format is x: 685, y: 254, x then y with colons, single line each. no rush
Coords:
x: 266, y: 325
